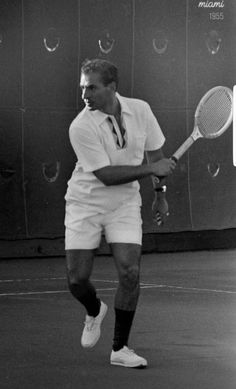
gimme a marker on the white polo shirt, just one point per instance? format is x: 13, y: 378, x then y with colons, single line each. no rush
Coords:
x: 95, y: 147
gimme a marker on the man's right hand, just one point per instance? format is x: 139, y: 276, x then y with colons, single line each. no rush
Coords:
x: 164, y: 167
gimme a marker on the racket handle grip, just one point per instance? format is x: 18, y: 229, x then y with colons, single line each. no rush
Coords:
x: 174, y: 159
x: 182, y: 149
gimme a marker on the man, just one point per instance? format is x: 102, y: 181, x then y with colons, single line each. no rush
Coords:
x: 109, y: 137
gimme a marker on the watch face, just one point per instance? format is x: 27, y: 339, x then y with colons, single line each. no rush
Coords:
x: 161, y: 189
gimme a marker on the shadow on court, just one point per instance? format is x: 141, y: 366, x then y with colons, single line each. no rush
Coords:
x: 185, y: 325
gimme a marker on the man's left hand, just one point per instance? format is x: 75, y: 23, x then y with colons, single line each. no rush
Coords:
x: 160, y: 209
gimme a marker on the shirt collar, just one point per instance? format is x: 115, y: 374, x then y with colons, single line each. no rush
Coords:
x: 100, y: 116
x: 124, y: 106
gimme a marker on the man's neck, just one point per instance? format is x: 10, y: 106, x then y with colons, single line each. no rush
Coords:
x: 114, y: 108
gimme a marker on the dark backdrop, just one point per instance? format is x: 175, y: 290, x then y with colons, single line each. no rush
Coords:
x: 168, y: 52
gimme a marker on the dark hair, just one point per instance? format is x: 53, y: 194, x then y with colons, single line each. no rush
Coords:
x: 107, y: 70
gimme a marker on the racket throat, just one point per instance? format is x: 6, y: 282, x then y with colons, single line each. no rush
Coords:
x: 196, y: 134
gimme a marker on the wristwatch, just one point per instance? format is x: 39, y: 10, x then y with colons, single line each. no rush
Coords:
x: 161, y: 189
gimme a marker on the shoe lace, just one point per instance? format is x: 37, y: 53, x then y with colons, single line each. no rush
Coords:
x: 129, y: 351
x: 89, y: 323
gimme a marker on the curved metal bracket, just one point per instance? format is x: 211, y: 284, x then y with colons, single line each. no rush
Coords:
x: 51, y: 171
x: 213, y: 42
x: 107, y: 44
x: 1, y: 39
x: 160, y: 43
x: 7, y: 173
x: 51, y: 41
x: 213, y: 169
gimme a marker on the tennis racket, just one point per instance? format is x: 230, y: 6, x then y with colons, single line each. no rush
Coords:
x: 213, y: 117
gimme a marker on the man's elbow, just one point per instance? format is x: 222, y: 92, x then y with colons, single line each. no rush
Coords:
x: 104, y: 176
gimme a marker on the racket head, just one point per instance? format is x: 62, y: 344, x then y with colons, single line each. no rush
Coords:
x: 234, y: 125
x: 214, y: 112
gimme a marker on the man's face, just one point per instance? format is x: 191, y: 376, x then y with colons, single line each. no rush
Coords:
x: 94, y: 93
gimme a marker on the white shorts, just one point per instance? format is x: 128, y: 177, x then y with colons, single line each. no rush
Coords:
x: 84, y: 227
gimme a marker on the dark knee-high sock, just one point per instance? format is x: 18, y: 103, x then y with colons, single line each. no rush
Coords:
x: 123, y: 323
x: 85, y: 293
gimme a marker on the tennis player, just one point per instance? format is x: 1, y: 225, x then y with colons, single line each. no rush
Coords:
x: 109, y: 137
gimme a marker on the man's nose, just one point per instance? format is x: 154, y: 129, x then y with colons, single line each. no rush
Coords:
x: 85, y: 93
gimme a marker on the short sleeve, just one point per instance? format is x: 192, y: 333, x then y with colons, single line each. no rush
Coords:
x: 88, y: 149
x: 155, y: 137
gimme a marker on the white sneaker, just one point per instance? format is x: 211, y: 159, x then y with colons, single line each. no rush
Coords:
x: 92, y: 330
x: 127, y: 358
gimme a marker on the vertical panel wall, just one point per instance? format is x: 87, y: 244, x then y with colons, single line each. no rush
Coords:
x: 11, y: 53
x: 50, y: 53
x: 12, y: 217
x: 12, y: 209
x: 169, y: 53
x: 106, y: 31
x: 50, y: 99
x: 49, y: 161
x: 160, y: 77
x: 211, y: 62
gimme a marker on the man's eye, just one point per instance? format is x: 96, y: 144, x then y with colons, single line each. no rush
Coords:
x: 91, y: 88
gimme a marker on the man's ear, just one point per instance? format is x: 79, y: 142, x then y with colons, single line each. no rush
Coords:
x: 112, y: 86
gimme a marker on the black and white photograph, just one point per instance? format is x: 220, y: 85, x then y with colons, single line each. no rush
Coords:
x: 118, y: 194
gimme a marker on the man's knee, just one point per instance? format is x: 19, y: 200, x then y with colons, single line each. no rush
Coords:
x: 77, y: 281
x: 78, y: 288
x: 129, y: 277
x: 79, y: 265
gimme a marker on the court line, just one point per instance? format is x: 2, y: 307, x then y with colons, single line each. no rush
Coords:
x: 188, y: 289
x: 142, y: 285
x: 47, y: 279
x: 33, y: 279
x: 45, y: 292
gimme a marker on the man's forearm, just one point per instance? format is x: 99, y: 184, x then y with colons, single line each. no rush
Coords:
x: 117, y: 175
x: 154, y: 156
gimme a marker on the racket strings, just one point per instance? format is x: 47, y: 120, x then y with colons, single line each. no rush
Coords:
x: 214, y: 113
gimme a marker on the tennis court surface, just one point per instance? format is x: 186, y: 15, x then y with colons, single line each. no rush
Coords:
x: 185, y: 325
